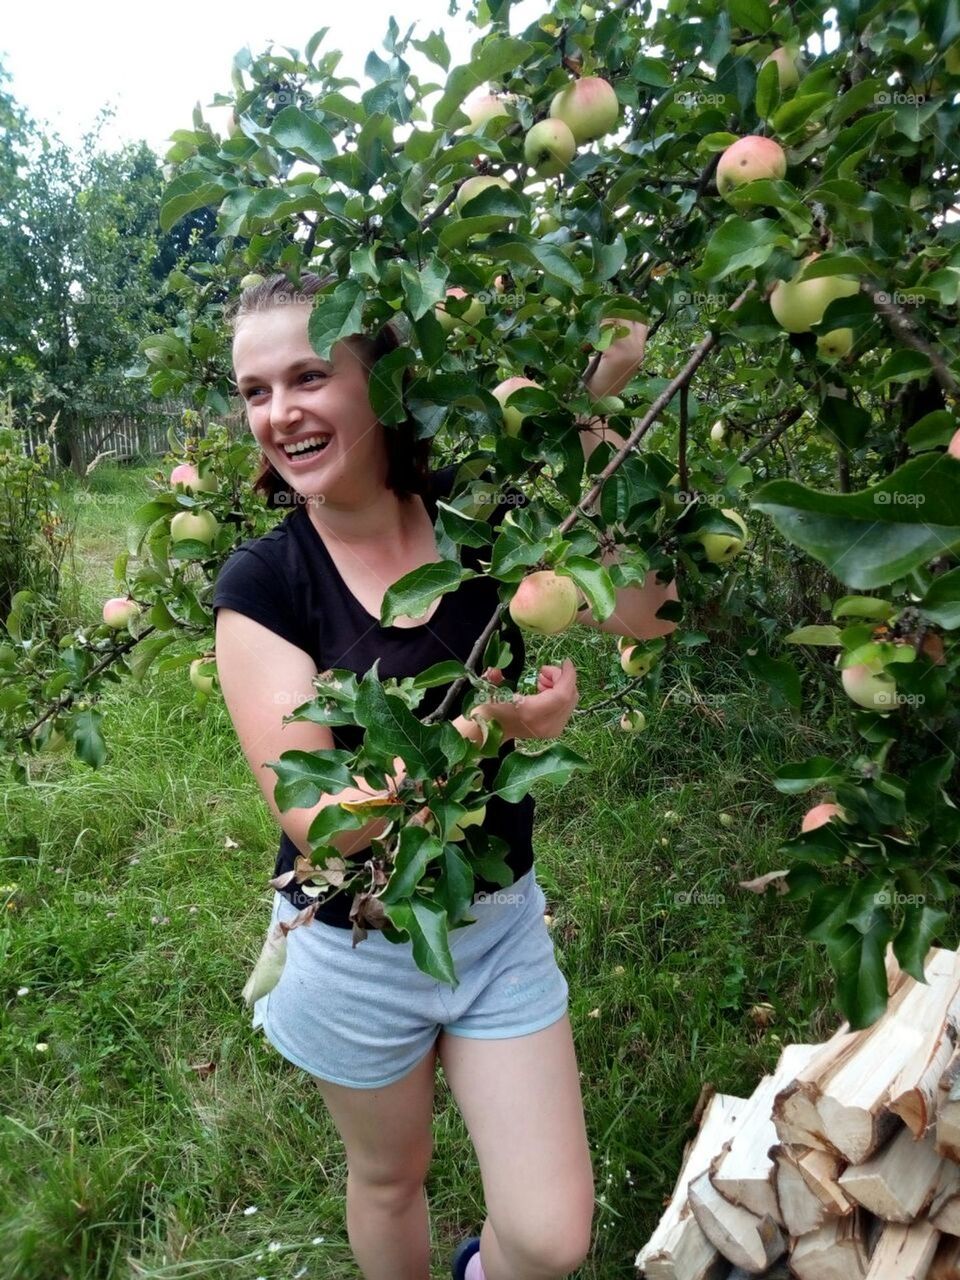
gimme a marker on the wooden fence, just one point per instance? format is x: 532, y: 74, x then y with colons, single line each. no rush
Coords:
x: 121, y: 437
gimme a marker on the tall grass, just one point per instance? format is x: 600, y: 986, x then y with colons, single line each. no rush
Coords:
x: 145, y: 1120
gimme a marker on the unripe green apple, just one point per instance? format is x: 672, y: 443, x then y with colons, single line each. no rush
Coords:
x: 717, y: 432
x: 671, y: 818
x: 625, y: 642
x: 587, y: 12
x: 472, y: 818
x: 191, y: 479
x: 545, y: 603
x: 797, y: 305
x: 726, y: 820
x: 251, y: 279
x: 546, y: 223
x: 787, y: 70
x: 474, y: 312
x: 120, y: 611
x: 512, y: 417
x: 202, y: 682
x: 720, y: 548
x: 635, y: 661
x: 877, y: 691
x: 819, y: 815
x: 633, y: 721
x: 835, y: 345
x: 200, y: 526
x: 473, y: 186
x: 747, y: 160
x: 549, y: 147
x: 588, y: 107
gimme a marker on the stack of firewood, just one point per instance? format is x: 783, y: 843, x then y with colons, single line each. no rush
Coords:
x: 842, y: 1165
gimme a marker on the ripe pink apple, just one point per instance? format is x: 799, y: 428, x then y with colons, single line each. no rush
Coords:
x: 474, y: 312
x: 797, y: 305
x: 588, y: 107
x: 549, y: 147
x: 877, y: 691
x: 953, y: 448
x: 818, y: 815
x: 200, y: 526
x: 191, y: 479
x: 747, y: 160
x: 119, y: 611
x: 199, y: 681
x: 787, y: 69
x: 481, y: 107
x: 835, y: 345
x: 545, y: 603
x: 635, y: 661
x: 512, y: 417
x: 473, y: 186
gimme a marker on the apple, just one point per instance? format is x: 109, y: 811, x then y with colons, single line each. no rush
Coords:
x: 448, y: 322
x: 546, y: 223
x: 633, y: 721
x: 472, y: 818
x: 587, y: 12
x: 200, y: 526
x: 953, y: 448
x: 251, y: 279
x: 512, y: 417
x: 120, y: 611
x: 625, y: 642
x: 835, y: 345
x: 549, y: 147
x: 787, y: 69
x: 726, y: 820
x: 671, y: 818
x: 720, y: 548
x: 191, y: 479
x: 798, y: 305
x: 481, y: 107
x: 818, y: 815
x: 635, y: 661
x: 202, y: 682
x: 588, y: 107
x: 717, y: 432
x: 545, y: 603
x: 473, y: 186
x: 747, y: 160
x: 877, y: 691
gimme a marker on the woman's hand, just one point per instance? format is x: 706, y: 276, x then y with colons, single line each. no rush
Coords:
x: 620, y: 361
x: 543, y: 714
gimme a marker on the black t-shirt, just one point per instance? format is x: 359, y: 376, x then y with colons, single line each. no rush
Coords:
x: 287, y: 581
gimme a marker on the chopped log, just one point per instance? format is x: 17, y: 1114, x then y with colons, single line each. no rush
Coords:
x: 904, y: 1252
x: 946, y: 1261
x: 899, y: 1182
x: 678, y: 1249
x: 743, y: 1171
x: 745, y: 1239
x: 779, y: 1271
x: 835, y: 1251
x: 851, y: 1103
x: 821, y: 1171
x: 944, y: 1211
x: 913, y: 1095
x: 798, y: 1209
x: 795, y: 1113
x: 948, y: 1110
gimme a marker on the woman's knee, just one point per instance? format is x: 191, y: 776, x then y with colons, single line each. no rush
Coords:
x: 551, y: 1248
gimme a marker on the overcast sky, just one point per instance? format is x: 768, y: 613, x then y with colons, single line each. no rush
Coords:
x: 153, y: 62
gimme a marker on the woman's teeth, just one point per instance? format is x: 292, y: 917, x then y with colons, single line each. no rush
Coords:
x: 306, y: 446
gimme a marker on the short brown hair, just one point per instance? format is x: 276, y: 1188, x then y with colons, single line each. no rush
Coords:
x: 408, y: 458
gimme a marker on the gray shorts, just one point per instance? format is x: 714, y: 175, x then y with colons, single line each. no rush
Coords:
x: 365, y: 1016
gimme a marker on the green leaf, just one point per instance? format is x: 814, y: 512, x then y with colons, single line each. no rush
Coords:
x: 932, y: 431
x: 391, y: 721
x: 87, y: 738
x: 941, y: 604
x: 821, y: 635
x: 418, y: 848
x: 925, y: 786
x: 804, y: 775
x: 595, y: 583
x: 334, y: 316
x: 871, y: 538
x: 858, y: 961
x: 426, y: 923
x: 494, y: 60
x: 455, y: 885
x: 187, y: 192
x: 739, y: 243
x: 780, y: 675
x: 440, y: 673
x: 519, y: 771
x: 414, y: 593
x: 863, y: 607
x: 920, y: 925
x: 295, y: 131
x: 304, y: 776
x: 386, y: 385
x: 425, y: 287
x: 768, y: 90
x: 434, y: 47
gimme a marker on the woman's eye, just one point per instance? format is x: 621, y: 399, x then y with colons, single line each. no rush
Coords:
x: 316, y: 373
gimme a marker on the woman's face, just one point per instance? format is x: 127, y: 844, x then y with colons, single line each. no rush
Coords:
x: 292, y: 395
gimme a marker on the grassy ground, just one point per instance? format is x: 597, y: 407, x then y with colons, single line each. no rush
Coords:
x: 142, y: 905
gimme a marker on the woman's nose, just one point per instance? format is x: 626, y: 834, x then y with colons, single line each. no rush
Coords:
x: 284, y: 410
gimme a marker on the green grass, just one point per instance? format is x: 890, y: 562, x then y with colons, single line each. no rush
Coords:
x: 142, y: 903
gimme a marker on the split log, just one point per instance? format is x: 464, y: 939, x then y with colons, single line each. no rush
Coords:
x: 678, y: 1249
x: 745, y: 1239
x: 851, y: 1104
x: 779, y: 1271
x: 743, y: 1171
x: 821, y: 1171
x: 795, y: 1113
x: 835, y: 1251
x: 798, y: 1209
x: 948, y: 1110
x: 904, y: 1252
x: 944, y: 1211
x: 913, y: 1095
x: 899, y: 1182
x: 946, y: 1261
